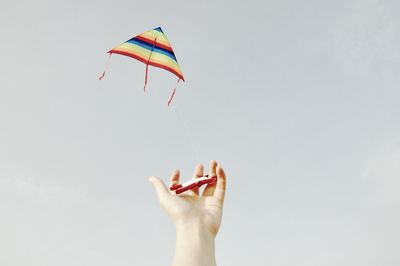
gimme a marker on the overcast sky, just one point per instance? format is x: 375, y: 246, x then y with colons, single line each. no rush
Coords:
x: 298, y: 100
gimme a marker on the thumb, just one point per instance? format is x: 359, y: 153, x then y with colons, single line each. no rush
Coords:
x: 159, y: 186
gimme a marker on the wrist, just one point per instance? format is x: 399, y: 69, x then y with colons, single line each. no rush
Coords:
x: 195, y: 244
x: 193, y: 227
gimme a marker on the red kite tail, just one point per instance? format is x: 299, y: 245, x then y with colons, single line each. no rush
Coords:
x: 148, y: 61
x: 102, y: 75
x: 145, y: 77
x: 173, y: 93
x: 105, y: 68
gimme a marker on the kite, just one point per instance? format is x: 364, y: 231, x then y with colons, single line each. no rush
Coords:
x: 151, y: 48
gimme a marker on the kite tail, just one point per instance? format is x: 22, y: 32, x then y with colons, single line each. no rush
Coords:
x: 173, y: 93
x: 102, y: 75
x: 105, y: 68
x: 147, y: 64
x: 145, y: 77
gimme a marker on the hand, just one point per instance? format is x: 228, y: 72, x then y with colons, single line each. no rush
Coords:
x: 197, y: 218
x: 190, y: 208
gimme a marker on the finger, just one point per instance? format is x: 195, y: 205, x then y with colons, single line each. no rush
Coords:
x: 160, y: 188
x: 210, y: 188
x: 221, y: 184
x: 174, y: 179
x: 198, y: 172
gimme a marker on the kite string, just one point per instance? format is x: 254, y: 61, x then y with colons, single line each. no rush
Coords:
x: 106, y: 67
x: 188, y: 134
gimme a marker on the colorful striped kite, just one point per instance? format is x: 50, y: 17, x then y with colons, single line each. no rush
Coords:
x: 151, y: 48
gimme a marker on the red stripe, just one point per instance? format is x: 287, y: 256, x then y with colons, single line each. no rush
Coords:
x: 169, y: 48
x: 150, y: 63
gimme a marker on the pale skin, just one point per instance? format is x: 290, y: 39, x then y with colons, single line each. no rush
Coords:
x: 197, y: 218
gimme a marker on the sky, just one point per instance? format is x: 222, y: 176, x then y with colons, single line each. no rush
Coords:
x: 297, y: 100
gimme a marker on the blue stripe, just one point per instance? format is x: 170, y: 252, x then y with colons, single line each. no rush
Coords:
x: 149, y: 47
x: 159, y: 29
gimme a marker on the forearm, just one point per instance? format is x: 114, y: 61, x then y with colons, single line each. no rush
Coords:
x: 195, y: 245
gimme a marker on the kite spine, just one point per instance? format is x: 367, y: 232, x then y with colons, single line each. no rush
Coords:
x: 147, y: 64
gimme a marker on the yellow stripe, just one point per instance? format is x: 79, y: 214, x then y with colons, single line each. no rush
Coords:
x: 133, y: 48
x: 160, y: 37
x: 165, y: 60
x: 145, y: 54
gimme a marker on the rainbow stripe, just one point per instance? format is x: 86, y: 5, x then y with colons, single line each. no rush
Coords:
x: 151, y: 48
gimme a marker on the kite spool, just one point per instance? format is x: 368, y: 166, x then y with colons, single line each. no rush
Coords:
x: 194, y: 183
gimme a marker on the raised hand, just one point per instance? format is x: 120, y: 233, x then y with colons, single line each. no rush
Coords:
x: 197, y: 218
x: 190, y: 207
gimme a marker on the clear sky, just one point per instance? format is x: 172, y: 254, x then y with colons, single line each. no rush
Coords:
x: 298, y: 100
